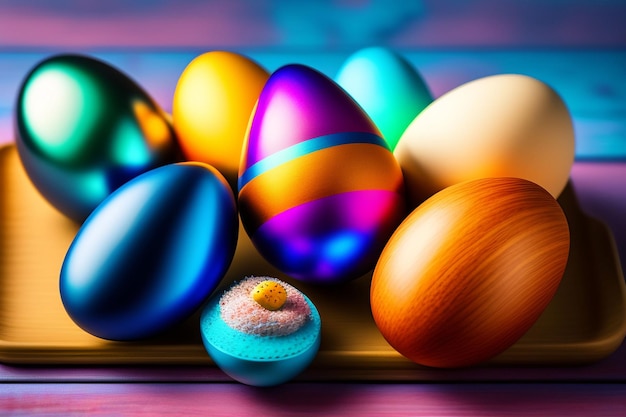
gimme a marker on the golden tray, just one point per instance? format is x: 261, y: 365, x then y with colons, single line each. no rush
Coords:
x: 585, y: 322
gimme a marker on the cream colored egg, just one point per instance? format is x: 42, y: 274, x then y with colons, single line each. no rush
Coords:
x: 505, y: 125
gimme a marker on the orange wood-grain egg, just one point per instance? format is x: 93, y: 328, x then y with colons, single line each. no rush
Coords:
x: 469, y: 271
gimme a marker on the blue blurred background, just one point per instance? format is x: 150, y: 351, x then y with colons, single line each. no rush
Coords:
x: 311, y: 24
x: 577, y: 46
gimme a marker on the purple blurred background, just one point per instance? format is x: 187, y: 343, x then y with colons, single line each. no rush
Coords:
x: 311, y: 23
x: 576, y: 46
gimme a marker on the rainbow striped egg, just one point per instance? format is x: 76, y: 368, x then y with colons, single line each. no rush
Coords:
x: 319, y: 190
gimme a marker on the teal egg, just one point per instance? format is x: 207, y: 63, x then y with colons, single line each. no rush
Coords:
x: 259, y: 359
x: 83, y: 129
x: 390, y: 90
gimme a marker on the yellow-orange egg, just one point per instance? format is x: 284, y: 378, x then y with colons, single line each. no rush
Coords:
x: 506, y: 125
x: 269, y: 294
x: 469, y: 271
x: 212, y: 103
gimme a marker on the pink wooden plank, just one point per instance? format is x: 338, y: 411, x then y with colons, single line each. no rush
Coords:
x: 315, y: 399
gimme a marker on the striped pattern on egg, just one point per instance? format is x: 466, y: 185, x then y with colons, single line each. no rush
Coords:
x: 319, y: 190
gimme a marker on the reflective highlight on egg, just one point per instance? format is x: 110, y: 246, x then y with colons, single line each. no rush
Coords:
x: 84, y: 128
x: 469, y: 271
x: 213, y: 100
x: 151, y: 253
x: 387, y: 86
x: 319, y: 190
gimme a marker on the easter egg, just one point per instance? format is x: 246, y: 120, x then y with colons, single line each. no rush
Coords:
x: 505, y: 125
x: 387, y: 86
x: 212, y: 104
x: 150, y: 253
x: 319, y: 190
x: 256, y: 345
x: 84, y: 128
x: 270, y: 295
x: 469, y: 271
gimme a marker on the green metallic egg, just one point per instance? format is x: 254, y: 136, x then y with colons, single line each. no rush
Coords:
x: 83, y: 129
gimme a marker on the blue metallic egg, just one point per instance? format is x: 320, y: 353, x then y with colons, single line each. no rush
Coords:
x: 151, y: 253
x: 83, y: 129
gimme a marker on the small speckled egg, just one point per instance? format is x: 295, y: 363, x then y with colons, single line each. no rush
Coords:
x: 319, y: 190
x: 504, y: 125
x: 212, y: 104
x: 387, y: 86
x: 270, y: 294
x: 151, y: 253
x: 469, y: 271
x: 259, y: 346
x: 83, y: 129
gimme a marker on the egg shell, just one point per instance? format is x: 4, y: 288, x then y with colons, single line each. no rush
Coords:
x: 83, y: 129
x: 259, y: 360
x: 469, y: 271
x: 387, y: 86
x: 319, y: 190
x: 151, y: 253
x: 506, y: 125
x: 212, y: 103
x: 270, y: 295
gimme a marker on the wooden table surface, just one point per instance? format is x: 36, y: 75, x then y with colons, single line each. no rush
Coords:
x: 598, y: 389
x: 150, y: 399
